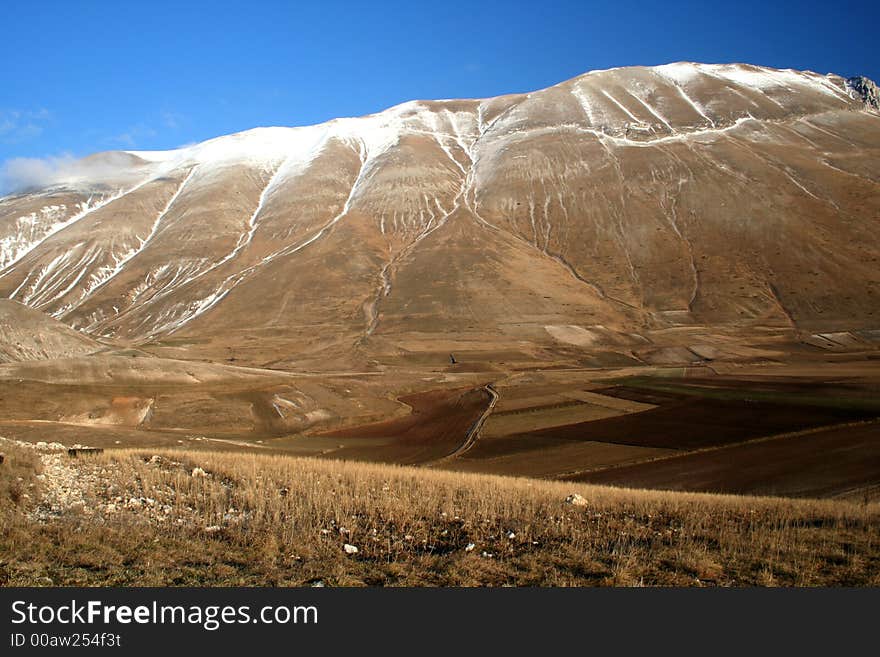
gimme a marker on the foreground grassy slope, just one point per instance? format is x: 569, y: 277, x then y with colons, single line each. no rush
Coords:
x: 132, y: 517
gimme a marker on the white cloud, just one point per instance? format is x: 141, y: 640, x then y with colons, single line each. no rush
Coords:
x: 171, y: 119
x: 25, y: 172
x: 21, y: 173
x: 20, y: 125
x: 133, y: 136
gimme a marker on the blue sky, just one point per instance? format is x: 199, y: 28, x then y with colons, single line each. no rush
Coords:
x: 80, y: 76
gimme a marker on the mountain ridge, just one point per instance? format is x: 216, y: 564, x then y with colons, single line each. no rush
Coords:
x: 855, y: 86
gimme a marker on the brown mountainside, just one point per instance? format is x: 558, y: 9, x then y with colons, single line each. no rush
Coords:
x: 613, y: 213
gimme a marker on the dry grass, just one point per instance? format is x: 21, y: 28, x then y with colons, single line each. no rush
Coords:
x: 17, y: 476
x: 268, y: 520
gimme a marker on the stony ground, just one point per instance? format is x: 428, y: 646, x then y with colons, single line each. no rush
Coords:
x: 134, y: 517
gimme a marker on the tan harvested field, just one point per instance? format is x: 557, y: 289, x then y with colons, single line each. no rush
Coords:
x: 608, y: 401
x: 175, y: 517
x: 503, y: 423
x: 540, y: 461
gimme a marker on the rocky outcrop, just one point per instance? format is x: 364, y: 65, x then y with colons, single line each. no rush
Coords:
x: 865, y: 90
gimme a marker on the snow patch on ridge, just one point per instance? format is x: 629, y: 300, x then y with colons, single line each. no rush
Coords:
x: 30, y: 229
x: 106, y: 274
x: 264, y: 147
x: 681, y: 73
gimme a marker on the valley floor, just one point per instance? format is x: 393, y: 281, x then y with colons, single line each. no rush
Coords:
x: 806, y: 428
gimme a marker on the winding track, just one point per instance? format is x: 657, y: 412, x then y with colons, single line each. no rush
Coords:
x: 474, y: 432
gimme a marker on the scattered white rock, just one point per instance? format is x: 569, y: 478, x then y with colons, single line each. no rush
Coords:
x: 350, y: 549
x: 213, y: 529
x: 576, y: 500
x: 469, y: 547
x: 511, y: 535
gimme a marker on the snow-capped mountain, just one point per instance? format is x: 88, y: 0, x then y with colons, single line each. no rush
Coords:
x: 608, y: 209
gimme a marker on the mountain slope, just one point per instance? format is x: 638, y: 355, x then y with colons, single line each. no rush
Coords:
x: 27, y: 334
x: 624, y: 203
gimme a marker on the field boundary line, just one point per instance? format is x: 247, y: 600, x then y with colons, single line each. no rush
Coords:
x: 718, y: 448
